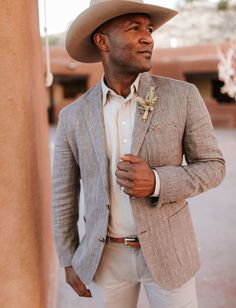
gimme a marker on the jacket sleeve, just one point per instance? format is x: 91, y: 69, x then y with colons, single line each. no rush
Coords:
x: 205, y: 167
x: 66, y: 190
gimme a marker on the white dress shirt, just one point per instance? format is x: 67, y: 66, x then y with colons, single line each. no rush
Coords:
x: 119, y: 114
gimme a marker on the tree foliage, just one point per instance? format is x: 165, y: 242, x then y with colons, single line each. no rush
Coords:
x: 222, y: 5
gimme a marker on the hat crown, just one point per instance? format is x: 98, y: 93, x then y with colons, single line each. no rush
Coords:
x: 94, y: 2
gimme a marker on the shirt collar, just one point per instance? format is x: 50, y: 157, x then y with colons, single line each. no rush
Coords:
x: 106, y: 90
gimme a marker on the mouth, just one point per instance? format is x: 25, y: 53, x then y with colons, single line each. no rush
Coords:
x: 147, y: 53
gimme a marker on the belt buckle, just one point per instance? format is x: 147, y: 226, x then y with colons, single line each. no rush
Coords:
x: 129, y: 239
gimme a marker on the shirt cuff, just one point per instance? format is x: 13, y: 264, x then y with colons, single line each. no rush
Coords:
x: 157, y: 187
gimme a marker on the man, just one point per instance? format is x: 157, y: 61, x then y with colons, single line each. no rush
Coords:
x: 125, y: 139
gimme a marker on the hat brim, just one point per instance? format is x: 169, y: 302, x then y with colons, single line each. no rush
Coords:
x: 79, y: 44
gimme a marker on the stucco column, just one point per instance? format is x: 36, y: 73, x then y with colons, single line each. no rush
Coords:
x: 26, y: 253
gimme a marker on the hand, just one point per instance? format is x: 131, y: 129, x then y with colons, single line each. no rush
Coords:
x: 73, y: 280
x: 135, y: 175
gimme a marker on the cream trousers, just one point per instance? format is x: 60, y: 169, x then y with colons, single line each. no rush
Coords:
x: 120, y: 273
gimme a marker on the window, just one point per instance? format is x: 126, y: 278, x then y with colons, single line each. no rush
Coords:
x: 209, y: 86
x: 216, y: 92
x: 72, y: 85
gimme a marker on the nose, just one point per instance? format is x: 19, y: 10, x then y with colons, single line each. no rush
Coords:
x: 147, y: 38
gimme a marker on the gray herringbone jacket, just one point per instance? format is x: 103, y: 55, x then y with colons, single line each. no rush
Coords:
x: 179, y: 125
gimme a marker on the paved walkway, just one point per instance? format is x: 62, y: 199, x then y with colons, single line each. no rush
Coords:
x: 214, y: 217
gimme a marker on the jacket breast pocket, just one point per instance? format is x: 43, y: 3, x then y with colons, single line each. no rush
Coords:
x: 164, y: 145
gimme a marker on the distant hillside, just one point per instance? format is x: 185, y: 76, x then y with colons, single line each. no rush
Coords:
x: 199, y: 22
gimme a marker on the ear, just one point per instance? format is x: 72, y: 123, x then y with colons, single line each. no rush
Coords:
x: 101, y: 41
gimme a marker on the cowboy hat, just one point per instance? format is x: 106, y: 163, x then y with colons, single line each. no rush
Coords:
x: 79, y: 43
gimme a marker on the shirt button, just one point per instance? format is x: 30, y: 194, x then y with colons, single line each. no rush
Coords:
x: 125, y: 140
x: 102, y: 240
x: 123, y: 122
x: 108, y: 207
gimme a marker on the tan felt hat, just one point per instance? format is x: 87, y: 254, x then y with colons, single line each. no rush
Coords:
x: 79, y: 43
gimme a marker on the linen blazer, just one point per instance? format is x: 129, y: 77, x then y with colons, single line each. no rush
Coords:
x: 179, y: 126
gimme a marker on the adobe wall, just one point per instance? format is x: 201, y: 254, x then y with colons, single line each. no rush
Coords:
x: 26, y: 256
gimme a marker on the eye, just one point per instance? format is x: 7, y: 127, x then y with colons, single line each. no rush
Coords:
x: 150, y: 30
x: 135, y: 28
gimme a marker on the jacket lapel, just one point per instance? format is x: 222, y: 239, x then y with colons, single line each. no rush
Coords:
x: 141, y: 126
x: 93, y: 114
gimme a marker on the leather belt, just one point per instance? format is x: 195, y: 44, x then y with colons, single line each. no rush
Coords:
x: 132, y: 242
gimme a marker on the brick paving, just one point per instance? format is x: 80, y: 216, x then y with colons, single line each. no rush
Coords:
x: 214, y: 217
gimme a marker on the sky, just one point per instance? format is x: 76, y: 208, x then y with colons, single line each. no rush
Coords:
x: 60, y: 13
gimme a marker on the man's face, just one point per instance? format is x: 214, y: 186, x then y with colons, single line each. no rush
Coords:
x: 130, y: 43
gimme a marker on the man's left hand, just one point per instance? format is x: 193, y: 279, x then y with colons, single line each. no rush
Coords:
x: 135, y: 176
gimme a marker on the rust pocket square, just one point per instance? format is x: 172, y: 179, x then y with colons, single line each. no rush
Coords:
x: 154, y: 127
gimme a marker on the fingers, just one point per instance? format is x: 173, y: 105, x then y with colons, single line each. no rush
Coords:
x: 85, y: 293
x: 125, y: 183
x: 74, y: 281
x: 128, y: 162
x: 81, y: 289
x: 124, y: 166
x: 131, y: 158
x: 124, y: 175
x: 135, y: 176
x: 125, y: 178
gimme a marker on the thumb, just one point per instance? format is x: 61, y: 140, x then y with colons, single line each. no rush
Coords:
x: 130, y: 158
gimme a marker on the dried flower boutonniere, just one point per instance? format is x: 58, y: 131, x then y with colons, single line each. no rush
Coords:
x: 146, y: 105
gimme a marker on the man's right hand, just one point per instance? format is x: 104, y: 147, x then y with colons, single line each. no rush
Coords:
x: 73, y: 280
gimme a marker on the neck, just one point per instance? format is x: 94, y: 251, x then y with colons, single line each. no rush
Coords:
x: 120, y: 83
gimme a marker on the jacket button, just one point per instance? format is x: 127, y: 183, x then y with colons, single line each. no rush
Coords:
x: 102, y: 240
